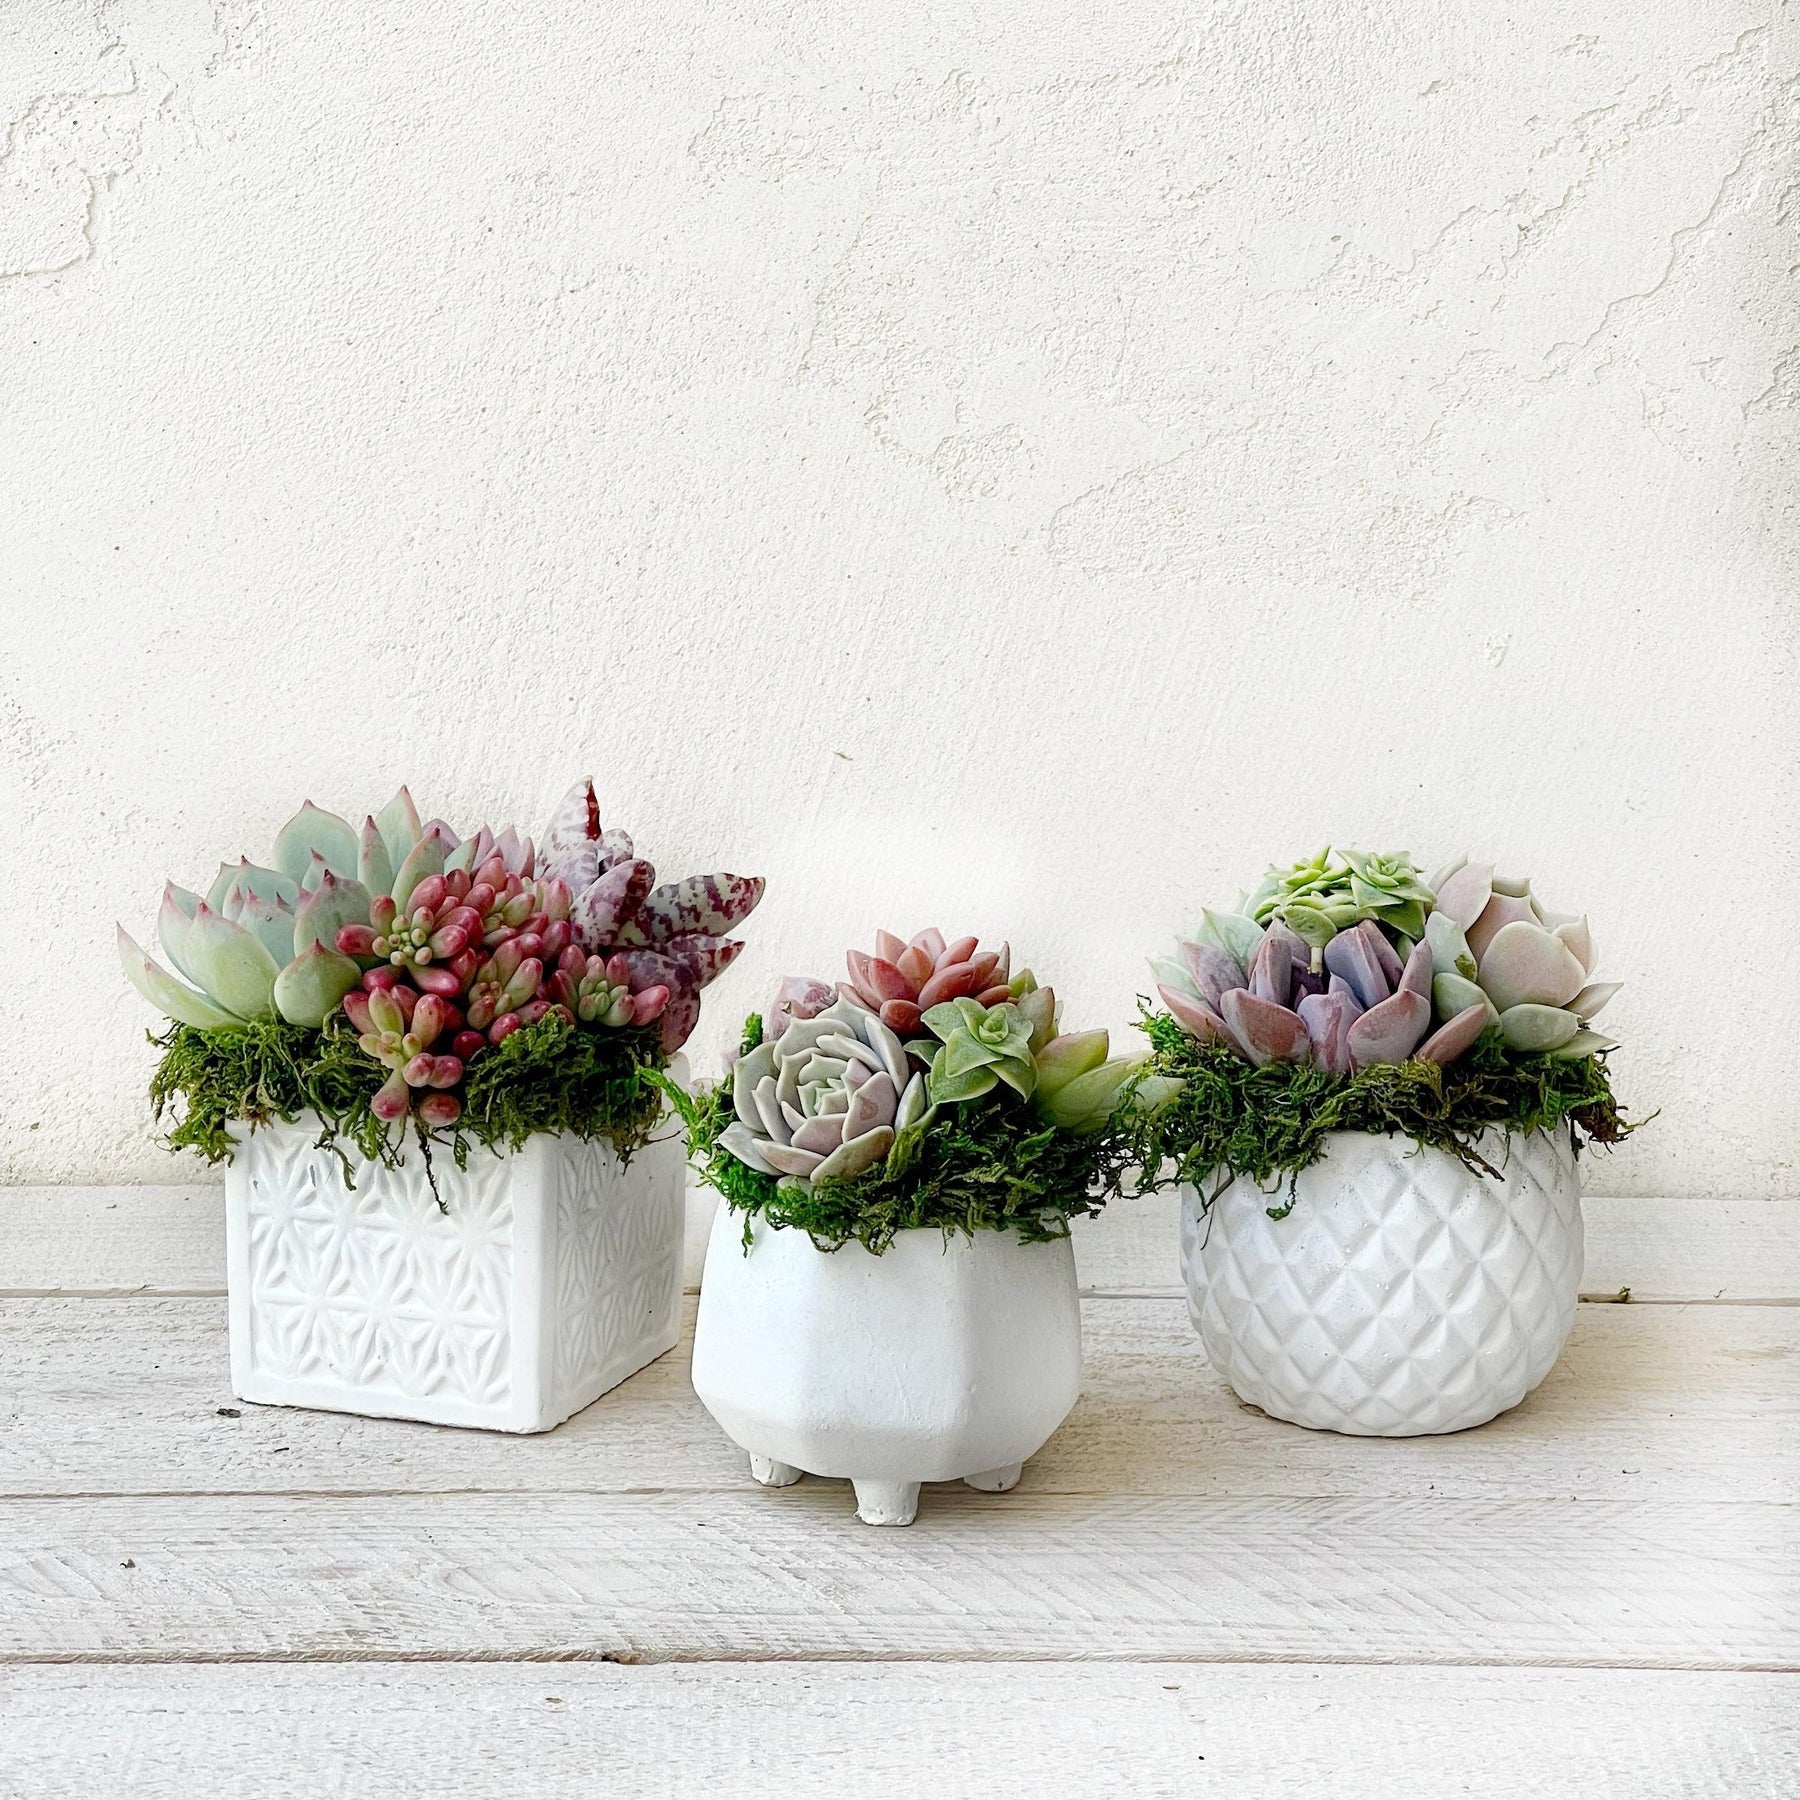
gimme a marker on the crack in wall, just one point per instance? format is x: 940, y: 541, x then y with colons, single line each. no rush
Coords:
x: 63, y: 155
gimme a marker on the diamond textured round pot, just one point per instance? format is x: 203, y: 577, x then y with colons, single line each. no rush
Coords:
x: 548, y: 1275
x: 945, y: 1358
x: 1403, y: 1294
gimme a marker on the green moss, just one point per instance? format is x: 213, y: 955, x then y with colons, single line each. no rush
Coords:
x: 987, y: 1165
x: 551, y: 1076
x: 1233, y: 1119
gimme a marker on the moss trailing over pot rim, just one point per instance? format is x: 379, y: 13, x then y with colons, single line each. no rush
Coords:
x: 549, y: 1076
x: 989, y: 1164
x: 1231, y: 1118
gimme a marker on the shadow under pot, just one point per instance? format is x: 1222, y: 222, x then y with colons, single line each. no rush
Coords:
x: 945, y: 1358
x: 1404, y: 1293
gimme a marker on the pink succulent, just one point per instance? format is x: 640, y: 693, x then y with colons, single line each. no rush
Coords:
x: 900, y: 980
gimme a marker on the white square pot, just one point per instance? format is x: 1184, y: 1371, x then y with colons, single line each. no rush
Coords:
x: 942, y: 1359
x: 549, y: 1275
x: 1404, y: 1294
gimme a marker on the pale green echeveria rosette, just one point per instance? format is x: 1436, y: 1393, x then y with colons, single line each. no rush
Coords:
x: 1494, y: 943
x: 261, y: 942
x: 1320, y: 896
x: 826, y: 1099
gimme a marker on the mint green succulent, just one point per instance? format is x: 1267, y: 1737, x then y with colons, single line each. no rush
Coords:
x: 1078, y: 1083
x: 980, y: 1047
x: 1071, y: 1079
x: 1322, y: 895
x: 262, y: 942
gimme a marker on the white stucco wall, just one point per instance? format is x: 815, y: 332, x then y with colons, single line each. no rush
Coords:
x: 1020, y: 465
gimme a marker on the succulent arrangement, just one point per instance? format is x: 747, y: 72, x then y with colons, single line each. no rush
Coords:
x: 1347, y: 961
x: 838, y: 1119
x: 424, y: 954
x: 1368, y: 998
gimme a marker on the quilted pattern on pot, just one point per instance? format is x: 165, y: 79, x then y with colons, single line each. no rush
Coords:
x: 1403, y: 1294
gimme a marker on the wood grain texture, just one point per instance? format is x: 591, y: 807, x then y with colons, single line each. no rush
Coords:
x: 1006, y: 1732
x: 754, y: 1575
x: 124, y: 1396
x: 172, y: 1239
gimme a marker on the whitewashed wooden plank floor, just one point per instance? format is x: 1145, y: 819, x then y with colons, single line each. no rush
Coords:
x: 1599, y: 1594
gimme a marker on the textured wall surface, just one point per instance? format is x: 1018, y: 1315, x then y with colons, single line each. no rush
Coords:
x: 1022, y: 465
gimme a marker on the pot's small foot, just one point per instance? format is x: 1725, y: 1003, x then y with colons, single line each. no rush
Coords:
x: 997, y: 1481
x: 772, y: 1473
x: 886, y: 1502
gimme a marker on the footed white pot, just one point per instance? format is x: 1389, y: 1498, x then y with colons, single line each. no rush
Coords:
x: 942, y: 1359
x: 550, y: 1274
x: 1404, y: 1294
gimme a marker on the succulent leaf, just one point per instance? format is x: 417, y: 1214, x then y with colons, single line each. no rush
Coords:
x: 313, y: 831
x: 1212, y: 971
x: 374, y: 867
x: 1592, y: 997
x: 1450, y: 952
x: 1272, y: 971
x: 165, y: 993
x: 1579, y: 940
x: 1266, y: 1032
x: 702, y: 903
x: 1196, y: 1018
x: 1501, y: 910
x: 1416, y: 975
x: 1328, y: 1018
x: 1072, y: 1054
x: 310, y: 986
x: 705, y: 958
x: 236, y: 970
x: 173, y: 919
x: 1353, y: 956
x: 1529, y: 1026
x: 600, y: 909
x: 398, y: 823
x: 1236, y: 935
x: 1390, y: 1031
x: 424, y: 860
x: 1457, y: 1035
x: 1525, y: 964
x: 336, y: 902
x: 571, y: 842
x: 1454, y: 994
x: 270, y: 923
x: 1084, y: 1103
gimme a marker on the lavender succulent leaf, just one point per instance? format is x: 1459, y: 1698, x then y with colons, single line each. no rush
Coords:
x: 1390, y: 1031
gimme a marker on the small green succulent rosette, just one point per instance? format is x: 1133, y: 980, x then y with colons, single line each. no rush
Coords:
x: 931, y: 1088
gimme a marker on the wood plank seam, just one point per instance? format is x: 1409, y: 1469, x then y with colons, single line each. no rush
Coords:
x: 147, y: 1292
x: 705, y: 1658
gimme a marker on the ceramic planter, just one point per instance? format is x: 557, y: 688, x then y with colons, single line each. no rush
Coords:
x: 1404, y: 1294
x: 550, y: 1274
x: 942, y: 1359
